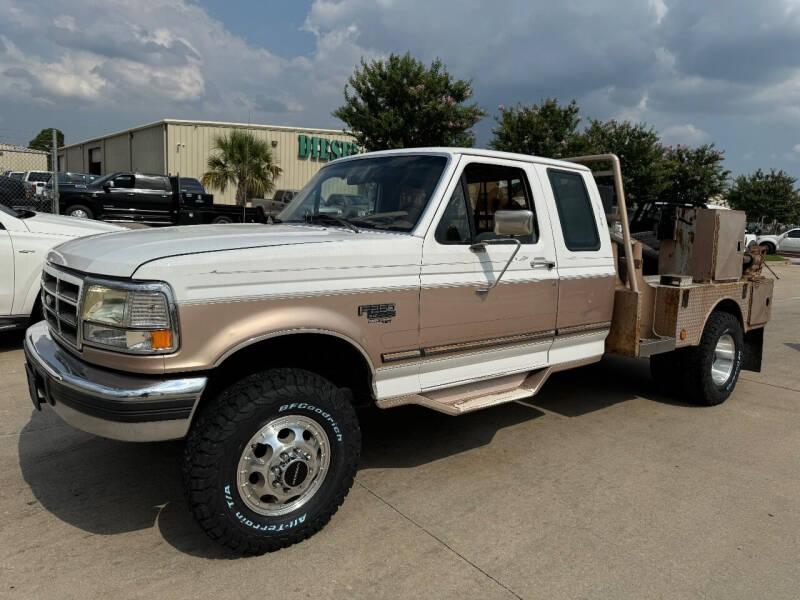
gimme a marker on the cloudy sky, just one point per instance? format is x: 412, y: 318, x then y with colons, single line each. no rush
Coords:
x: 726, y: 71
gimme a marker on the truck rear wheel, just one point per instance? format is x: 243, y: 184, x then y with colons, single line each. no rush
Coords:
x: 712, y: 368
x: 271, y: 459
x: 221, y: 219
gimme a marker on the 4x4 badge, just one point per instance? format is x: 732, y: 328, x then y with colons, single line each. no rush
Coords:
x: 378, y: 313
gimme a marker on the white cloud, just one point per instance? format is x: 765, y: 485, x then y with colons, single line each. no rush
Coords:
x: 796, y: 148
x: 686, y: 135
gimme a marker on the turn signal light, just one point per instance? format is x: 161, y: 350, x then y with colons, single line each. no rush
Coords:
x: 161, y: 339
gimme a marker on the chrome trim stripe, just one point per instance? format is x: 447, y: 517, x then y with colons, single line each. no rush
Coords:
x: 470, y: 345
x: 496, y: 342
x: 403, y: 355
x: 579, y: 329
x: 487, y: 343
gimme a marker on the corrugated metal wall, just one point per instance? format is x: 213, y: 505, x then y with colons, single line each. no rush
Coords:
x: 14, y: 159
x: 135, y: 150
x: 190, y: 145
x: 147, y: 150
x: 116, y: 153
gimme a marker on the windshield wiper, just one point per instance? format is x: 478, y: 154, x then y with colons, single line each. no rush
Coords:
x: 332, y: 219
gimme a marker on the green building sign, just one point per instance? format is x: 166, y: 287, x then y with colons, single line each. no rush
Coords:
x: 322, y: 148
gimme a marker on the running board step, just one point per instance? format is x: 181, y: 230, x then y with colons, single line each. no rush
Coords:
x: 473, y: 396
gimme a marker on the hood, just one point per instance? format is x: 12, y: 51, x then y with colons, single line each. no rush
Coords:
x: 120, y: 254
x: 66, y: 226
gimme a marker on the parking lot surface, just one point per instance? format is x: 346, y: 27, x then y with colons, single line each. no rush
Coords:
x: 599, y: 487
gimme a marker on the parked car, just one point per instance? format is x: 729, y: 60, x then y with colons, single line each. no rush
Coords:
x: 68, y: 182
x: 788, y: 241
x: 15, y: 193
x: 25, y: 239
x: 277, y: 203
x: 473, y: 276
x: 18, y: 175
x: 36, y: 181
x: 126, y: 197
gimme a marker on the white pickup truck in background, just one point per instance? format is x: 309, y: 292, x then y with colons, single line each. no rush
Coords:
x: 25, y: 239
x: 788, y: 242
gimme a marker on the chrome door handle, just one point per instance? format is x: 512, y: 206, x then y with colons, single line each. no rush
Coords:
x: 540, y: 261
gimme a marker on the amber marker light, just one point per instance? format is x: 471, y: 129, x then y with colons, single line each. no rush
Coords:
x: 683, y: 334
x: 161, y: 339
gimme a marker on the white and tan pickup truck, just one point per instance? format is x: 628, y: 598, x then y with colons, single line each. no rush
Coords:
x: 470, y: 278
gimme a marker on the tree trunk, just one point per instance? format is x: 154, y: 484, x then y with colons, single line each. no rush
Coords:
x: 241, y: 193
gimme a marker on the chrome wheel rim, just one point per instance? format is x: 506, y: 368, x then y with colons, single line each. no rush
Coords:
x: 724, y: 354
x: 80, y: 214
x: 283, y: 465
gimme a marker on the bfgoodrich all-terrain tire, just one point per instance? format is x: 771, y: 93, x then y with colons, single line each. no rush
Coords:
x: 712, y: 369
x: 271, y: 459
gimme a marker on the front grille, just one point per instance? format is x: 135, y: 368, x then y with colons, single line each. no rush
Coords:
x: 61, y: 293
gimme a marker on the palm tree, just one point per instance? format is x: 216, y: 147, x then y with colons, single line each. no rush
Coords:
x: 242, y: 160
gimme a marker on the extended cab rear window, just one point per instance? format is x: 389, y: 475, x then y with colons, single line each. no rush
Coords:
x: 575, y: 211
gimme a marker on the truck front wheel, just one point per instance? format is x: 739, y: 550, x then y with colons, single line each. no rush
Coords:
x: 712, y: 369
x: 79, y: 211
x: 271, y: 459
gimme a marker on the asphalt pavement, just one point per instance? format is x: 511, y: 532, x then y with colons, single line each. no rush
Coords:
x: 599, y: 487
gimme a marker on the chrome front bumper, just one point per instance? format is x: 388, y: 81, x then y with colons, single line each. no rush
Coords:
x: 107, y: 403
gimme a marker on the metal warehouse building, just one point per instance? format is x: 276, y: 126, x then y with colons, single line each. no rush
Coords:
x: 19, y: 158
x: 176, y: 147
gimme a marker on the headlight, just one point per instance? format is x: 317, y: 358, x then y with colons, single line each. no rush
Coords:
x: 130, y: 318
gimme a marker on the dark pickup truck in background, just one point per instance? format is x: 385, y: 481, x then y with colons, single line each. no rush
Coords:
x: 153, y: 200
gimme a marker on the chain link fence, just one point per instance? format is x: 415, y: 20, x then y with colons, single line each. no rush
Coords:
x: 24, y: 179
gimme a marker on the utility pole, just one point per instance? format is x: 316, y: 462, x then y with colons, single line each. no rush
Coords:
x: 54, y: 176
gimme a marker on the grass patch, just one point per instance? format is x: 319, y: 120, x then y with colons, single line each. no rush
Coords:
x: 775, y: 258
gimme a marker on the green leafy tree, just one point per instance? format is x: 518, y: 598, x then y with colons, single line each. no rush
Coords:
x: 640, y: 153
x: 545, y: 129
x: 766, y: 197
x: 44, y: 141
x: 240, y: 159
x: 401, y: 103
x: 693, y: 175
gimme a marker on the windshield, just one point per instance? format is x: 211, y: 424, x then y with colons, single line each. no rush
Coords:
x: 382, y: 192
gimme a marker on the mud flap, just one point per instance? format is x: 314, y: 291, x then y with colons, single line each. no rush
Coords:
x: 753, y: 349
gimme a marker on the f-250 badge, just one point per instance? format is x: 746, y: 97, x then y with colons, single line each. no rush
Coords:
x: 378, y: 313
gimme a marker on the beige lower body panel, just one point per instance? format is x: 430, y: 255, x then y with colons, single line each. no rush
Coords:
x: 470, y: 397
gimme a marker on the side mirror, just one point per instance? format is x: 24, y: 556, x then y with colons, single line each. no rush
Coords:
x: 107, y: 186
x: 514, y: 223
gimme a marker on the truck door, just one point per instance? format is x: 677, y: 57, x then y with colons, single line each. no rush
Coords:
x: 118, y: 199
x: 6, y: 272
x: 791, y: 243
x: 154, y: 199
x: 585, y: 263
x: 466, y: 335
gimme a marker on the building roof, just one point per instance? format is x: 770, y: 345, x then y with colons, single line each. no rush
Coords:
x: 206, y: 124
x: 15, y: 148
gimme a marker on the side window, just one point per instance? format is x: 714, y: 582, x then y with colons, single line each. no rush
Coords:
x: 123, y: 181
x: 575, y: 211
x: 147, y: 182
x: 492, y: 188
x: 454, y: 225
x: 794, y: 233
